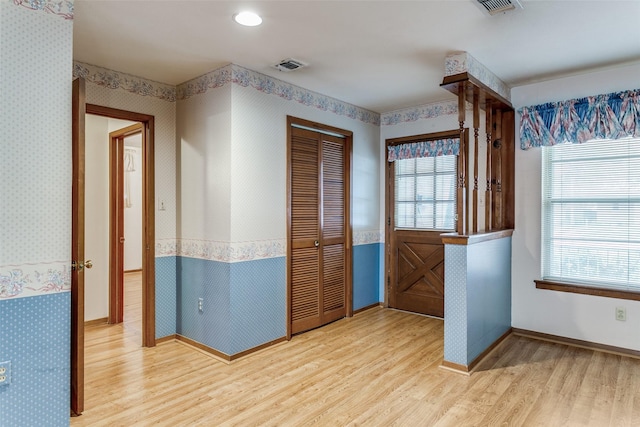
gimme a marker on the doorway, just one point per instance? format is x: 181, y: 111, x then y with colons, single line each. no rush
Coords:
x: 319, y: 261
x: 421, y: 202
x: 79, y: 265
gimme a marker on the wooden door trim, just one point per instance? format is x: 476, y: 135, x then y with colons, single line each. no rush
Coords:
x: 389, y: 199
x: 148, y: 212
x: 348, y: 168
x: 77, y: 246
x: 116, y: 220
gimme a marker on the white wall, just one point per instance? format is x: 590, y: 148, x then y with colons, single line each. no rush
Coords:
x: 97, y: 213
x: 133, y: 213
x: 583, y: 317
x: 204, y: 174
x: 259, y: 164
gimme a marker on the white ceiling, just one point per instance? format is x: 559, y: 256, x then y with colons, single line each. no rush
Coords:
x: 380, y: 55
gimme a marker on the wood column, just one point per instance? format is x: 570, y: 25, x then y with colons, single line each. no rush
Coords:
x: 462, y: 226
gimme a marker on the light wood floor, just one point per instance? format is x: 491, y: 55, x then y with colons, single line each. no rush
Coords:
x: 133, y: 303
x: 379, y: 368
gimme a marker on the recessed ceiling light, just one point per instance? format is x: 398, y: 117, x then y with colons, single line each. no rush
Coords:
x: 248, y: 19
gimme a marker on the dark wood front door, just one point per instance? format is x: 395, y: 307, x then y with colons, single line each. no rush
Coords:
x: 421, y: 205
x: 319, y: 236
x: 417, y: 273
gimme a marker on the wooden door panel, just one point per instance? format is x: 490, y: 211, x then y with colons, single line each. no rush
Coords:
x: 305, y: 231
x: 418, y: 272
x: 318, y: 227
x: 333, y: 289
x: 305, y: 294
x: 77, y: 246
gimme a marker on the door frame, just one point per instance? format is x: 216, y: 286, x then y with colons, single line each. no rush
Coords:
x: 348, y: 168
x: 79, y: 110
x: 389, y: 196
x: 116, y: 219
x: 148, y: 213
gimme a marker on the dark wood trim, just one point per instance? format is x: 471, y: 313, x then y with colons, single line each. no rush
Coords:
x: 423, y: 137
x: 576, y: 288
x: 136, y: 270
x: 472, y: 239
x: 289, y: 234
x: 148, y: 212
x: 219, y: 354
x: 77, y: 245
x: 256, y: 349
x: 348, y: 223
x: 116, y: 228
x: 168, y: 338
x: 149, y: 235
x: 348, y: 168
x: 621, y: 351
x: 469, y: 369
x: 455, y: 367
x: 116, y: 220
x: 203, y: 347
x: 475, y: 362
x: 476, y: 155
x: 115, y: 113
x: 508, y: 177
x: 368, y: 307
x: 452, y: 82
x: 462, y: 225
x: 94, y: 322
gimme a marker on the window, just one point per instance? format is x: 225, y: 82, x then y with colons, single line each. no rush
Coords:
x: 591, y: 214
x: 425, y: 193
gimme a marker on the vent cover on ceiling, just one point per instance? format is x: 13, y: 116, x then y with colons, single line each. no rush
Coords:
x: 498, y: 6
x: 290, y: 65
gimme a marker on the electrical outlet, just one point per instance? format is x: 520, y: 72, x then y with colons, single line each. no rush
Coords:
x: 200, y: 304
x: 5, y: 373
x: 621, y: 314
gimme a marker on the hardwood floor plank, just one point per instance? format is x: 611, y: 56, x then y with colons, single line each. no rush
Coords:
x: 379, y: 368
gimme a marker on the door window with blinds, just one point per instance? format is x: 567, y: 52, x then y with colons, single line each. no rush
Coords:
x: 425, y: 193
x: 591, y: 213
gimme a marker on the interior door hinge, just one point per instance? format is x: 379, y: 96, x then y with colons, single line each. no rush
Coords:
x: 388, y: 280
x: 389, y: 221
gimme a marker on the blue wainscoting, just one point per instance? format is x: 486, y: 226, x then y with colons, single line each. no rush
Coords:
x: 209, y: 280
x: 35, y: 338
x: 366, y: 275
x: 165, y: 296
x: 244, y: 303
x: 258, y: 302
x: 477, y: 304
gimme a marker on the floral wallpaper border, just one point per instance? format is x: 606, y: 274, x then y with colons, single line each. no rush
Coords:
x: 242, y: 251
x: 19, y: 281
x: 463, y: 62
x: 367, y: 237
x: 413, y: 114
x: 244, y: 77
x: 117, y: 80
x: 62, y: 8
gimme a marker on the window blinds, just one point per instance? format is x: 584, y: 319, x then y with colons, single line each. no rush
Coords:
x: 425, y: 193
x: 591, y: 213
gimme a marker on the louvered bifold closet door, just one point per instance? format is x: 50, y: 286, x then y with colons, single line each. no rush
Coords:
x: 305, y: 230
x: 333, y: 228
x: 318, y: 228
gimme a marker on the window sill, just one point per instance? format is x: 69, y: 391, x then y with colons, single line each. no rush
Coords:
x: 587, y: 290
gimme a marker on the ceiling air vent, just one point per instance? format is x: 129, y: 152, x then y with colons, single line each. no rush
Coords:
x: 499, y: 6
x: 290, y: 65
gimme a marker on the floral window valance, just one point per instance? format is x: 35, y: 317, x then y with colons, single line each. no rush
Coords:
x: 610, y: 116
x: 435, y: 148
